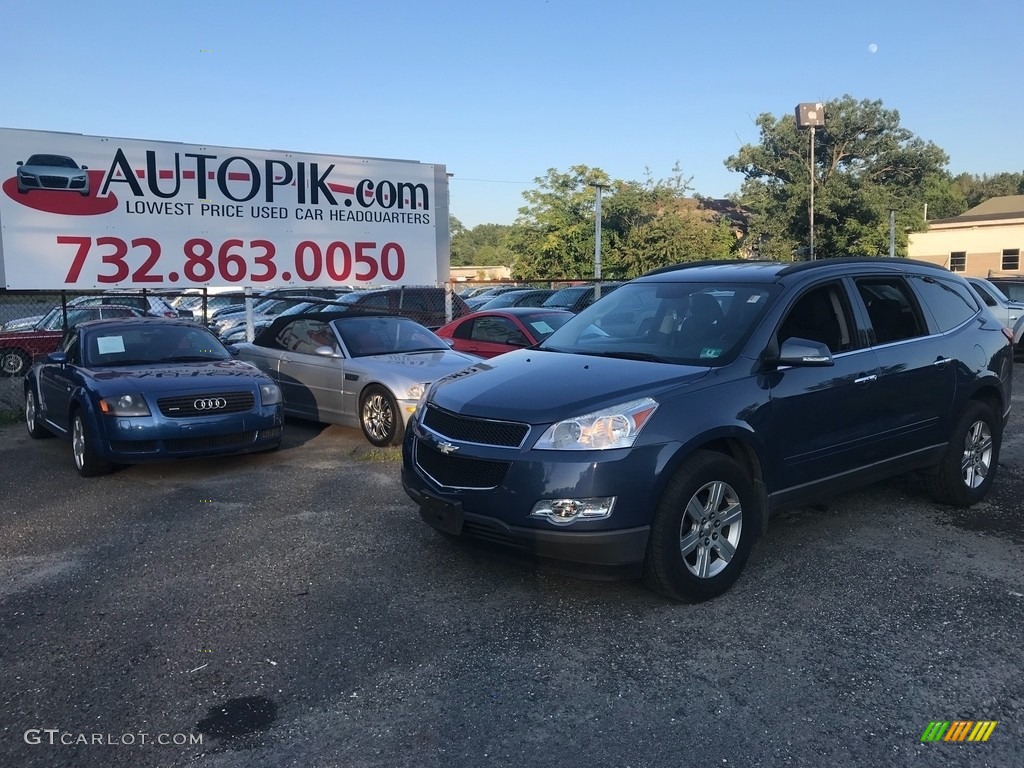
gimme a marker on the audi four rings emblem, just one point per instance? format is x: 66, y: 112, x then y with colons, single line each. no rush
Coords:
x: 210, y: 403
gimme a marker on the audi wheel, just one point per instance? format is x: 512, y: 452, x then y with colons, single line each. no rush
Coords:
x: 83, y: 449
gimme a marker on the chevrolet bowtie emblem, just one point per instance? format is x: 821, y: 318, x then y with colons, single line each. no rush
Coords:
x: 447, y: 448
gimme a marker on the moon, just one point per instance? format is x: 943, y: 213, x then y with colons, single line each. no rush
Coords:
x: 873, y: 48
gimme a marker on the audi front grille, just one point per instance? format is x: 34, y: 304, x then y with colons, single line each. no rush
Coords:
x: 206, y: 404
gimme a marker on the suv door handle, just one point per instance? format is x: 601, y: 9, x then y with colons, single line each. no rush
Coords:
x: 942, y: 361
x: 866, y: 379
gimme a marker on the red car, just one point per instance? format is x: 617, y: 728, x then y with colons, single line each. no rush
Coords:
x: 493, y: 332
x: 18, y: 349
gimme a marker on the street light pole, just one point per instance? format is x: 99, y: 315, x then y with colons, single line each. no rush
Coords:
x: 811, y: 213
x: 811, y: 116
x: 597, y: 238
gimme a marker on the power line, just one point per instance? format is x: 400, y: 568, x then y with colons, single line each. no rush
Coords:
x: 490, y: 181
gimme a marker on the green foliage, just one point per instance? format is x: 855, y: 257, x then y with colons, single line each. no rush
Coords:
x: 643, y: 226
x: 481, y: 246
x: 554, y: 234
x: 977, y: 189
x: 865, y: 165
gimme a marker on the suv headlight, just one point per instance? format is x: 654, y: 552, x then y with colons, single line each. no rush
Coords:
x: 133, y: 404
x: 270, y: 394
x: 614, y: 427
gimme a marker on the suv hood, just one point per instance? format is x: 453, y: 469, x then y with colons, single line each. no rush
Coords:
x: 543, y: 387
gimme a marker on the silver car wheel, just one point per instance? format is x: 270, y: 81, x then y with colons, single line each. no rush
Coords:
x: 977, y: 458
x: 78, y: 441
x: 710, y: 529
x: 12, y: 363
x: 378, y: 416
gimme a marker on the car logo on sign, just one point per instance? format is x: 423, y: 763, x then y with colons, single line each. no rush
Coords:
x: 447, y: 448
x: 210, y: 404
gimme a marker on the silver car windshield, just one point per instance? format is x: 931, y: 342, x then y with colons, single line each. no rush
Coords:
x: 366, y: 336
x: 673, y: 322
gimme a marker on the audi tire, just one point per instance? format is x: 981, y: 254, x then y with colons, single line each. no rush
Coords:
x: 83, y: 450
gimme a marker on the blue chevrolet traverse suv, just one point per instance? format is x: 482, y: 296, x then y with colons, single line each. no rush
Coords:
x: 658, y: 430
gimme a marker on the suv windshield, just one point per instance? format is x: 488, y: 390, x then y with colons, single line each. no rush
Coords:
x: 680, y: 323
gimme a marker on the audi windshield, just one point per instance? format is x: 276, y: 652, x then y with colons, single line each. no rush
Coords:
x: 152, y: 345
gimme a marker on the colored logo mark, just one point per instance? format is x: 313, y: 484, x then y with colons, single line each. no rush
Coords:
x: 958, y: 730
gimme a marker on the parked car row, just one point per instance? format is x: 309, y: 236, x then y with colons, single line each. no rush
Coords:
x: 653, y: 432
x: 20, y: 348
x: 149, y: 304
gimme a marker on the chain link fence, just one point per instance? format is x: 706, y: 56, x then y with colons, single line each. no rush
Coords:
x: 32, y: 323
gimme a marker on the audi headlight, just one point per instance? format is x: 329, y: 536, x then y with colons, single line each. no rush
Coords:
x: 133, y: 404
x: 614, y: 427
x: 270, y: 394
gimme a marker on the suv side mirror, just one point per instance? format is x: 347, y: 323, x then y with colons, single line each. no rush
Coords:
x: 804, y: 353
x: 59, y: 358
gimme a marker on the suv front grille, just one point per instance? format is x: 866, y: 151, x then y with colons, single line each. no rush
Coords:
x: 453, y: 471
x: 506, y: 434
x: 206, y: 404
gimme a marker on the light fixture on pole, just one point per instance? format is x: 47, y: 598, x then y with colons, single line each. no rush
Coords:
x: 811, y: 115
x: 597, y: 238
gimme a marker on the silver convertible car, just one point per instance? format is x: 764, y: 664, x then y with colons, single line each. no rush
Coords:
x: 352, y: 368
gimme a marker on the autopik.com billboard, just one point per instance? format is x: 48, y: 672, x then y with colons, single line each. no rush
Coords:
x: 97, y: 212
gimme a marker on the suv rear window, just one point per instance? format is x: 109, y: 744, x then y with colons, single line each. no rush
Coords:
x: 951, y: 304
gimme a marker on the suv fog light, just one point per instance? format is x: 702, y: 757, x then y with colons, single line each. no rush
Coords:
x: 565, y: 511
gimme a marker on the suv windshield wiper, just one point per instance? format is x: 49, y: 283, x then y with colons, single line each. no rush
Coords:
x: 643, y: 356
x: 189, y: 359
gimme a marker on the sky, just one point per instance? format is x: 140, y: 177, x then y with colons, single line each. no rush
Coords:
x: 501, y: 92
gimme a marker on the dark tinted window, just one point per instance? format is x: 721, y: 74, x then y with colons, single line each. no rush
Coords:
x: 495, y: 330
x: 985, y: 293
x: 891, y: 308
x: 69, y: 345
x: 464, y: 330
x: 821, y: 314
x: 951, y: 304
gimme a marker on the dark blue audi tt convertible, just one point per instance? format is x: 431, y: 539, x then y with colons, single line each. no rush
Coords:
x: 146, y: 389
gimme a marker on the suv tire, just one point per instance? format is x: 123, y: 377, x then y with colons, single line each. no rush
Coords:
x: 968, y: 468
x: 703, y: 530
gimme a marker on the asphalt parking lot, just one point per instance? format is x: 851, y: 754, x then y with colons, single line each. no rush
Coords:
x: 290, y: 609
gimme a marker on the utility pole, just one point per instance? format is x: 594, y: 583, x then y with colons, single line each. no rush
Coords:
x: 597, y: 238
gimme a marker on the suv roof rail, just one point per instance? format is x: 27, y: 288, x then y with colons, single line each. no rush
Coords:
x: 801, y: 266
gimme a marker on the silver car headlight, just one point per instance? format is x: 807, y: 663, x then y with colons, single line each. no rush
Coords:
x: 416, y: 392
x: 133, y: 404
x: 270, y: 394
x: 614, y: 427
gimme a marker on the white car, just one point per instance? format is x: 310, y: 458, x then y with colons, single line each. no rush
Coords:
x: 1010, y: 313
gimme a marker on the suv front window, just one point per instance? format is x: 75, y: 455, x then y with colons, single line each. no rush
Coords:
x: 679, y: 323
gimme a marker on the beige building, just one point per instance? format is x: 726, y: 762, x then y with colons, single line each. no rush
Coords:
x: 985, y: 241
x: 462, y: 274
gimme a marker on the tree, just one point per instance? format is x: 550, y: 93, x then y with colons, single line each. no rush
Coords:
x: 554, y: 233
x: 866, y: 164
x: 643, y: 226
x: 977, y: 189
